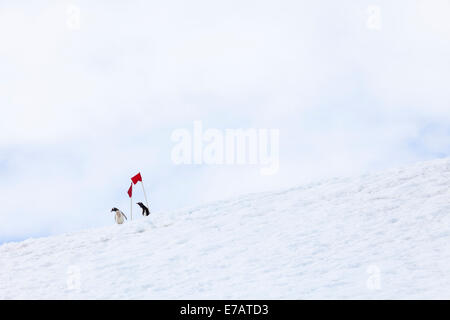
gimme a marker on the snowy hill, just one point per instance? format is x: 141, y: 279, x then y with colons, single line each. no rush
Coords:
x: 384, y: 235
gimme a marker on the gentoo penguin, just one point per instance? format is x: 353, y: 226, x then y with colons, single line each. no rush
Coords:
x: 145, y: 211
x: 119, y: 216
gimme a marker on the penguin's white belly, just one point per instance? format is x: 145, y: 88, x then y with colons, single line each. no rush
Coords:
x: 119, y: 218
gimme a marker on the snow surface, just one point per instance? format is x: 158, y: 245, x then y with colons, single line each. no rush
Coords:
x: 383, y: 235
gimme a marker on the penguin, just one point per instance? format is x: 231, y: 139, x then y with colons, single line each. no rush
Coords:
x: 119, y: 216
x: 145, y: 211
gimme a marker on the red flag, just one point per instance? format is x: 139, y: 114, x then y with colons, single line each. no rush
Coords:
x: 130, y: 191
x: 137, y: 178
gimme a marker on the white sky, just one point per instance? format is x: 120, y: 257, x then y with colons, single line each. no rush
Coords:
x: 83, y: 110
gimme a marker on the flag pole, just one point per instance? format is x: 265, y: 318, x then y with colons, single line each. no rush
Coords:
x: 145, y: 195
x: 130, y: 194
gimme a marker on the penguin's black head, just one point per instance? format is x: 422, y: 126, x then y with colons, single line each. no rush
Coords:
x: 114, y: 209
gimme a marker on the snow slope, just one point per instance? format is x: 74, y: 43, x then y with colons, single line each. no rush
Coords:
x: 383, y: 235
